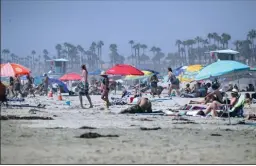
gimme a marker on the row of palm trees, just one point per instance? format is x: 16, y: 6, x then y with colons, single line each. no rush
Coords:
x: 190, y: 51
x: 193, y: 51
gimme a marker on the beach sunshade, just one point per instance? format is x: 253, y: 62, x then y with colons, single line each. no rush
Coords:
x: 60, y: 83
x: 124, y: 70
x: 96, y: 72
x: 146, y: 75
x: 220, y: 68
x: 12, y: 69
x: 152, y: 71
x: 179, y: 70
x: 189, y: 73
x: 71, y: 77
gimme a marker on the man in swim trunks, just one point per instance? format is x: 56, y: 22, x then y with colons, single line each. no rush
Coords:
x: 85, y: 89
x: 143, y: 106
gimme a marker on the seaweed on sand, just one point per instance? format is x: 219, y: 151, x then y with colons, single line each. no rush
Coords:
x: 13, y: 117
x: 95, y: 135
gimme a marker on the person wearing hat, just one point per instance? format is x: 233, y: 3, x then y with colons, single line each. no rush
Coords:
x: 105, y: 88
x: 85, y: 89
x: 215, y: 105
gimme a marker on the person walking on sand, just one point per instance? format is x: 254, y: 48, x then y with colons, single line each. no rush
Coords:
x: 46, y: 83
x: 105, y: 89
x: 30, y: 85
x: 175, y: 83
x: 85, y: 89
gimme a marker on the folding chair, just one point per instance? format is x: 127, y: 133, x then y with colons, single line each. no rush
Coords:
x: 237, y: 110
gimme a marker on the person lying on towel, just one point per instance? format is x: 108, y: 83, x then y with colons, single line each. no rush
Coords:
x: 143, y: 106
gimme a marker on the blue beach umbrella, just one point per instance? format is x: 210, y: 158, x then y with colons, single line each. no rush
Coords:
x: 96, y: 72
x: 152, y: 71
x: 221, y: 68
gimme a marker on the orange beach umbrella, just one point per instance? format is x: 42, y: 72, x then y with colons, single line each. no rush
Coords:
x: 12, y: 69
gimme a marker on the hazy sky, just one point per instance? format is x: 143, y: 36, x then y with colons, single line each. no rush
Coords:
x: 38, y: 25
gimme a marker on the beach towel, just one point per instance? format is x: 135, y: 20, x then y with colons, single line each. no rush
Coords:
x: 160, y: 112
x: 15, y: 99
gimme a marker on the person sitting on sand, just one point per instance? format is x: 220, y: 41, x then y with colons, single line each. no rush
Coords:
x: 215, y: 95
x: 217, y: 105
x: 85, y: 89
x: 143, y: 106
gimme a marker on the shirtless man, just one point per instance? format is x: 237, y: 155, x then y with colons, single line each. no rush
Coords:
x: 143, y: 106
x: 85, y: 89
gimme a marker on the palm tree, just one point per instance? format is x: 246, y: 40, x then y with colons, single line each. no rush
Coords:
x: 185, y: 44
x: 131, y: 42
x: 81, y: 50
x: 210, y: 36
x: 225, y: 37
x: 178, y: 43
x: 33, y: 52
x: 5, y: 53
x: 137, y: 53
x: 198, y: 40
x: 215, y: 37
x: 99, y: 46
x: 153, y: 49
x: 94, y: 55
x: 12, y: 57
x: 143, y: 46
x: 237, y: 43
x: 58, y: 48
x: 113, y: 54
x: 252, y: 35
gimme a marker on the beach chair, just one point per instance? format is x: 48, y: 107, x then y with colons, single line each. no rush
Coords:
x: 237, y: 110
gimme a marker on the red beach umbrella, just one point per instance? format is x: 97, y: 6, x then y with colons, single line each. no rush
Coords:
x: 123, y: 69
x: 71, y: 77
x: 12, y: 69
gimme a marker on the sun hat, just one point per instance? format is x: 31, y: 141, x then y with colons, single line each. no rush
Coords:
x: 103, y: 73
x: 234, y: 90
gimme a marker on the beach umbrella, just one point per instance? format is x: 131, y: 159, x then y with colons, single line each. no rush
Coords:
x: 124, y: 70
x: 71, y: 77
x: 60, y: 83
x: 179, y: 70
x: 221, y: 68
x: 12, y: 69
x: 152, y: 71
x: 190, y: 73
x: 134, y: 77
x: 96, y: 72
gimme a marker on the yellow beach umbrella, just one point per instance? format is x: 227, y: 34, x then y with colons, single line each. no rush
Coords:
x: 190, y: 73
x: 132, y: 77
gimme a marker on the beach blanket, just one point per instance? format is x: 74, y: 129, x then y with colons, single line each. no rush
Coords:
x: 160, y: 112
x: 15, y: 99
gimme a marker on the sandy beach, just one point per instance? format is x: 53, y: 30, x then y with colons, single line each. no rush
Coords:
x: 193, y: 140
